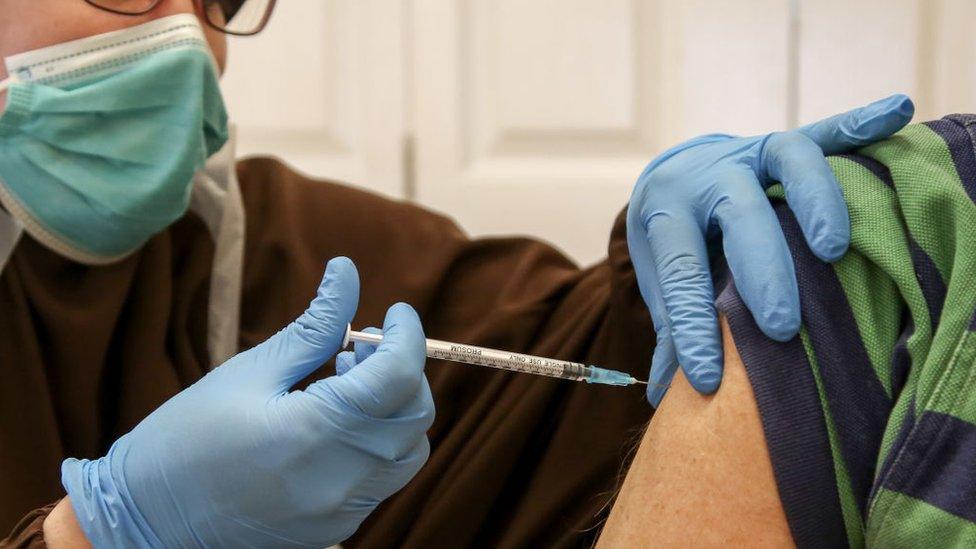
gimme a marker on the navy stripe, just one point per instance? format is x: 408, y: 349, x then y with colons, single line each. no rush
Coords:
x: 794, y: 426
x: 877, y: 168
x: 937, y: 465
x: 966, y: 119
x: 928, y: 276
x: 929, y: 280
x: 968, y: 122
x: 972, y: 323
x: 896, y: 446
x: 960, y: 143
x: 854, y: 393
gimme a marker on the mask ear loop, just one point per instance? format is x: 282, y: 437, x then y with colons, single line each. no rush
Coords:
x: 9, y: 81
x: 10, y: 232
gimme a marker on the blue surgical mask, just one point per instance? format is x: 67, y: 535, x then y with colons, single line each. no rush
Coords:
x: 101, y: 136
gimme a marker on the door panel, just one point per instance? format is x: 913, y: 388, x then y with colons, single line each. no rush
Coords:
x: 854, y: 52
x: 322, y: 88
x: 537, y: 117
x: 948, y: 66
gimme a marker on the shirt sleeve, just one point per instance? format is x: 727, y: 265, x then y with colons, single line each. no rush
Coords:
x: 29, y: 532
x: 517, y: 460
x: 870, y: 413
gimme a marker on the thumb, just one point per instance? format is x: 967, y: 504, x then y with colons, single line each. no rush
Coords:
x: 314, y: 337
x: 390, y: 378
x: 862, y: 126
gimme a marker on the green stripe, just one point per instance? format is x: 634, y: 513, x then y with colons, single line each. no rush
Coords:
x: 925, y: 177
x: 955, y: 389
x: 910, y: 522
x: 852, y: 516
x: 865, y: 272
x: 928, y: 205
x: 941, y: 217
x: 879, y: 234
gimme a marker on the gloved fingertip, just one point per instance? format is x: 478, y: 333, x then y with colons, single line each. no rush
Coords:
x: 780, y: 321
x: 781, y: 331
x: 831, y: 247
x: 69, y: 463
x: 663, y: 367
x: 899, y: 105
x: 339, y: 263
x: 655, y: 393
x: 345, y: 362
x: 906, y: 107
x: 399, y: 312
x: 882, y: 118
x: 402, y: 327
x: 705, y: 380
x: 340, y: 271
x: 337, y: 297
x: 364, y: 350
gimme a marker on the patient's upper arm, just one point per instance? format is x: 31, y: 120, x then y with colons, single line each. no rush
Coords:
x: 702, y: 475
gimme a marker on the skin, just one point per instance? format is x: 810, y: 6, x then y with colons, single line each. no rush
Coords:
x: 61, y: 528
x: 29, y: 25
x: 702, y: 476
x: 32, y: 24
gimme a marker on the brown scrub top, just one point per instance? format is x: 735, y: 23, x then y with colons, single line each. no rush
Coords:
x: 516, y: 460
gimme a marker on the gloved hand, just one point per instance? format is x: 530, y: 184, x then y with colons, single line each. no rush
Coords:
x: 239, y: 460
x: 715, y: 183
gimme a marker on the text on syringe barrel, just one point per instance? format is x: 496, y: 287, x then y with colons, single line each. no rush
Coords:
x: 505, y: 360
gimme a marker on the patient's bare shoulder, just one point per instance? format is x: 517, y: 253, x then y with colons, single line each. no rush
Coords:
x: 702, y: 475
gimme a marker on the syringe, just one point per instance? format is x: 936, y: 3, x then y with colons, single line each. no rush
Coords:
x: 506, y: 360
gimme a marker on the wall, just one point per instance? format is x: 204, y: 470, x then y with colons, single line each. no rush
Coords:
x: 535, y: 116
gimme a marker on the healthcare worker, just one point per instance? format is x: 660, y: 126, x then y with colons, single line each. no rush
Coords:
x: 138, y: 255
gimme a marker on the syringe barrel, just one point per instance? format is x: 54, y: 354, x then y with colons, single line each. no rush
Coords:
x: 492, y: 358
x: 505, y: 360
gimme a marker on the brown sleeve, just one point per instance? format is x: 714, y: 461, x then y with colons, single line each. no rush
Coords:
x: 516, y: 460
x: 29, y: 532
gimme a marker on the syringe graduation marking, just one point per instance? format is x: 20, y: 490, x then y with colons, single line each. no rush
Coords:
x: 507, y: 360
x: 502, y: 360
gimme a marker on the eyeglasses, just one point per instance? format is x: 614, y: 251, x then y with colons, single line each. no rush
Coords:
x: 237, y: 17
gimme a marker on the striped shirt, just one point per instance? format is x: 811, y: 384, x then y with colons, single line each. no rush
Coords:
x: 870, y: 413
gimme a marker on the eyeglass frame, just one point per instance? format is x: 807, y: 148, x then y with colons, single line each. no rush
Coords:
x: 206, y: 17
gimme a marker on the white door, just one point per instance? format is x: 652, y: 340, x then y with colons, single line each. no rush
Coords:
x: 853, y: 52
x: 534, y: 117
x: 537, y: 117
x: 322, y: 87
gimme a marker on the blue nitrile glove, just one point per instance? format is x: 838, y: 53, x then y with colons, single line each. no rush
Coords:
x: 715, y: 183
x: 239, y: 460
